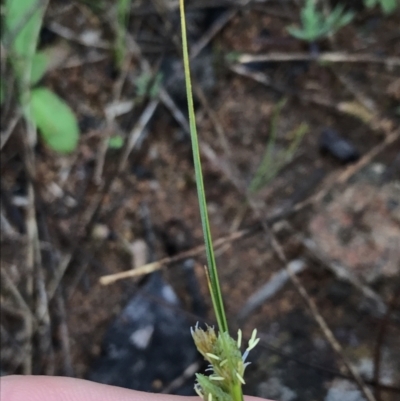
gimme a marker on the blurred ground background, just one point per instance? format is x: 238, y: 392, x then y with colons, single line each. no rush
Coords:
x: 333, y: 206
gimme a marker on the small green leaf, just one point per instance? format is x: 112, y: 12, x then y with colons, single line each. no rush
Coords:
x: 146, y: 83
x: 232, y: 57
x: 298, y: 33
x: 40, y: 63
x: 27, y: 32
x: 55, y: 119
x: 142, y: 83
x: 116, y: 142
x: 388, y: 6
x: 315, y: 25
x: 123, y: 10
x: 155, y: 87
x: 208, y: 387
x: 370, y: 3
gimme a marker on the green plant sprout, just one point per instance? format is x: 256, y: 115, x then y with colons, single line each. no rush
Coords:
x: 41, y: 107
x: 148, y: 84
x: 273, y: 161
x: 123, y: 7
x: 227, y: 364
x: 315, y: 25
x: 116, y: 142
x: 388, y: 6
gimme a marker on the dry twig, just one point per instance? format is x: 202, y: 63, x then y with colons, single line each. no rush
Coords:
x: 379, y: 341
x: 328, y: 57
x: 11, y: 126
x: 151, y: 267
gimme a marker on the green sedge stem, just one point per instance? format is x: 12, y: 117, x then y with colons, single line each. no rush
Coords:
x: 215, y: 289
x: 236, y: 391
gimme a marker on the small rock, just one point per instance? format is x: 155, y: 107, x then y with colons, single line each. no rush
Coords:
x: 100, y: 232
x: 358, y: 228
x: 134, y: 352
x: 343, y: 390
x: 341, y: 149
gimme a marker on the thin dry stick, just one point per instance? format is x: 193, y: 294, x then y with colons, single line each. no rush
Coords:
x: 183, y: 378
x: 389, y: 139
x: 42, y: 312
x: 379, y: 341
x: 6, y: 228
x: 29, y: 318
x: 151, y: 267
x: 137, y: 131
x: 110, y: 119
x: 58, y: 275
x: 169, y: 103
x: 268, y: 290
x: 31, y: 229
x: 9, y: 285
x: 367, y: 103
x: 64, y: 334
x: 43, y: 315
x: 361, y: 97
x: 267, y: 81
x: 222, y: 165
x: 321, y: 100
x: 331, y: 57
x: 11, y: 126
x: 211, y: 32
x: 35, y: 280
x: 70, y: 35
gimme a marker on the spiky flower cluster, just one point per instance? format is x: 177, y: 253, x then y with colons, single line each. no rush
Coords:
x: 227, y: 364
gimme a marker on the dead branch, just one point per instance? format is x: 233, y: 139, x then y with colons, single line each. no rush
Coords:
x: 328, y: 57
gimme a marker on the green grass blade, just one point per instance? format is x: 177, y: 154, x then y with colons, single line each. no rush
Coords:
x: 212, y: 273
x: 123, y: 8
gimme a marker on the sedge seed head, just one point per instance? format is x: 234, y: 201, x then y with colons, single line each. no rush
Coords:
x: 205, y: 341
x: 227, y: 364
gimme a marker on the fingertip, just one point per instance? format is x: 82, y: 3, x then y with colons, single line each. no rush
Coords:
x: 45, y: 388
